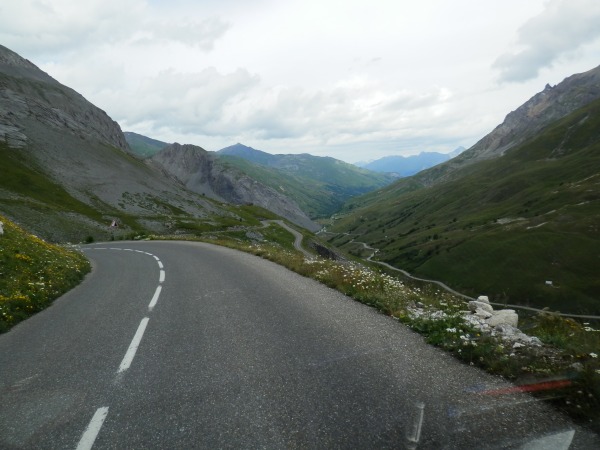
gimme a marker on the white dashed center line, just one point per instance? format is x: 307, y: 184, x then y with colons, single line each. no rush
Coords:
x: 89, y: 436
x: 135, y: 343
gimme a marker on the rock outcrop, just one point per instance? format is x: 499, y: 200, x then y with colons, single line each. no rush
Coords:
x: 29, y: 94
x: 545, y: 107
x: 526, y: 121
x: 75, y: 163
x: 502, y: 323
x: 482, y: 309
x: 201, y: 172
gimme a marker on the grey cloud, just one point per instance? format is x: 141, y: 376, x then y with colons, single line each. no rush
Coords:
x: 36, y: 28
x: 195, y: 102
x: 563, y: 27
x: 202, y: 34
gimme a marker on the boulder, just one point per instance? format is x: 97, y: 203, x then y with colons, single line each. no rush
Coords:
x: 504, y: 316
x: 483, y: 298
x: 483, y: 314
x: 475, y: 305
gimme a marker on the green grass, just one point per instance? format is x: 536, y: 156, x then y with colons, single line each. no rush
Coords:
x: 320, y: 186
x: 143, y: 146
x: 459, y: 231
x: 33, y: 273
x: 31, y: 183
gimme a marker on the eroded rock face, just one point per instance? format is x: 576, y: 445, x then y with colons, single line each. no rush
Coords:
x: 28, y: 93
x: 547, y: 106
x: 551, y: 104
x: 200, y: 172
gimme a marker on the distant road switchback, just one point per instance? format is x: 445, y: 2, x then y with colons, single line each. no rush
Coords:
x: 188, y: 345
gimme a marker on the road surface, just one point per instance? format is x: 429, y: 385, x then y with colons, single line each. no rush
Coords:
x: 189, y: 345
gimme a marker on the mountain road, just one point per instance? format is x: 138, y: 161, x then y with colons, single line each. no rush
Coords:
x: 190, y: 345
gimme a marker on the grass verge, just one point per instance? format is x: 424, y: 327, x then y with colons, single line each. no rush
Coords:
x: 33, y: 273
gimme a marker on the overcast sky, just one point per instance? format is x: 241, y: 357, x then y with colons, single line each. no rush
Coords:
x: 352, y: 79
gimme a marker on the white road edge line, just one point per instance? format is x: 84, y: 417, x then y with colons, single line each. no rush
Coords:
x: 91, y: 432
x: 135, y: 343
x: 160, y: 265
x: 161, y: 278
x: 154, y: 298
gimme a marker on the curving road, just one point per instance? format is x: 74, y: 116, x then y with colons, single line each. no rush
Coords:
x: 189, y: 345
x: 297, y: 236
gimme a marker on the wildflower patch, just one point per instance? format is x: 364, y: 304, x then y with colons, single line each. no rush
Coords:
x: 33, y: 273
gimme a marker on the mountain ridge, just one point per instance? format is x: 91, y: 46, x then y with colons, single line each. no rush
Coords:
x: 320, y: 185
x: 67, y: 171
x: 202, y: 172
x: 406, y: 166
x: 500, y: 226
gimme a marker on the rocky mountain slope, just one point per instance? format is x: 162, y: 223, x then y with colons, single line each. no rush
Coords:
x: 67, y: 171
x: 526, y: 121
x: 320, y: 185
x: 28, y: 94
x: 202, y: 172
x: 143, y: 146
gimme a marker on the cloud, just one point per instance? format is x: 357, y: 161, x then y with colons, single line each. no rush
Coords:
x: 561, y: 29
x: 185, y: 103
x: 208, y: 106
x: 40, y: 27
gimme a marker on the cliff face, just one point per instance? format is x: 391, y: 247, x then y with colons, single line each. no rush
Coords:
x: 29, y: 94
x: 542, y: 109
x: 545, y: 107
x: 200, y: 172
x: 66, y: 169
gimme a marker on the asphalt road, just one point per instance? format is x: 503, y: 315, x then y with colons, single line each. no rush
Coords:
x: 188, y: 345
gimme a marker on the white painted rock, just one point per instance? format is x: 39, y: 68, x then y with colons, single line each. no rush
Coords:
x: 504, y: 316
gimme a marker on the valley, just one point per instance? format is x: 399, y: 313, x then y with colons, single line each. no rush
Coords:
x: 515, y: 217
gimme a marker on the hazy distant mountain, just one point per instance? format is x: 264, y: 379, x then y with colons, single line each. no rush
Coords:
x: 405, y: 166
x: 250, y: 154
x: 519, y: 208
x: 142, y: 145
x: 320, y: 185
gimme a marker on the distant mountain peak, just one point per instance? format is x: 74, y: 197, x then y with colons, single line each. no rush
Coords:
x: 15, y: 65
x: 406, y: 166
x: 553, y: 103
x: 11, y: 58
